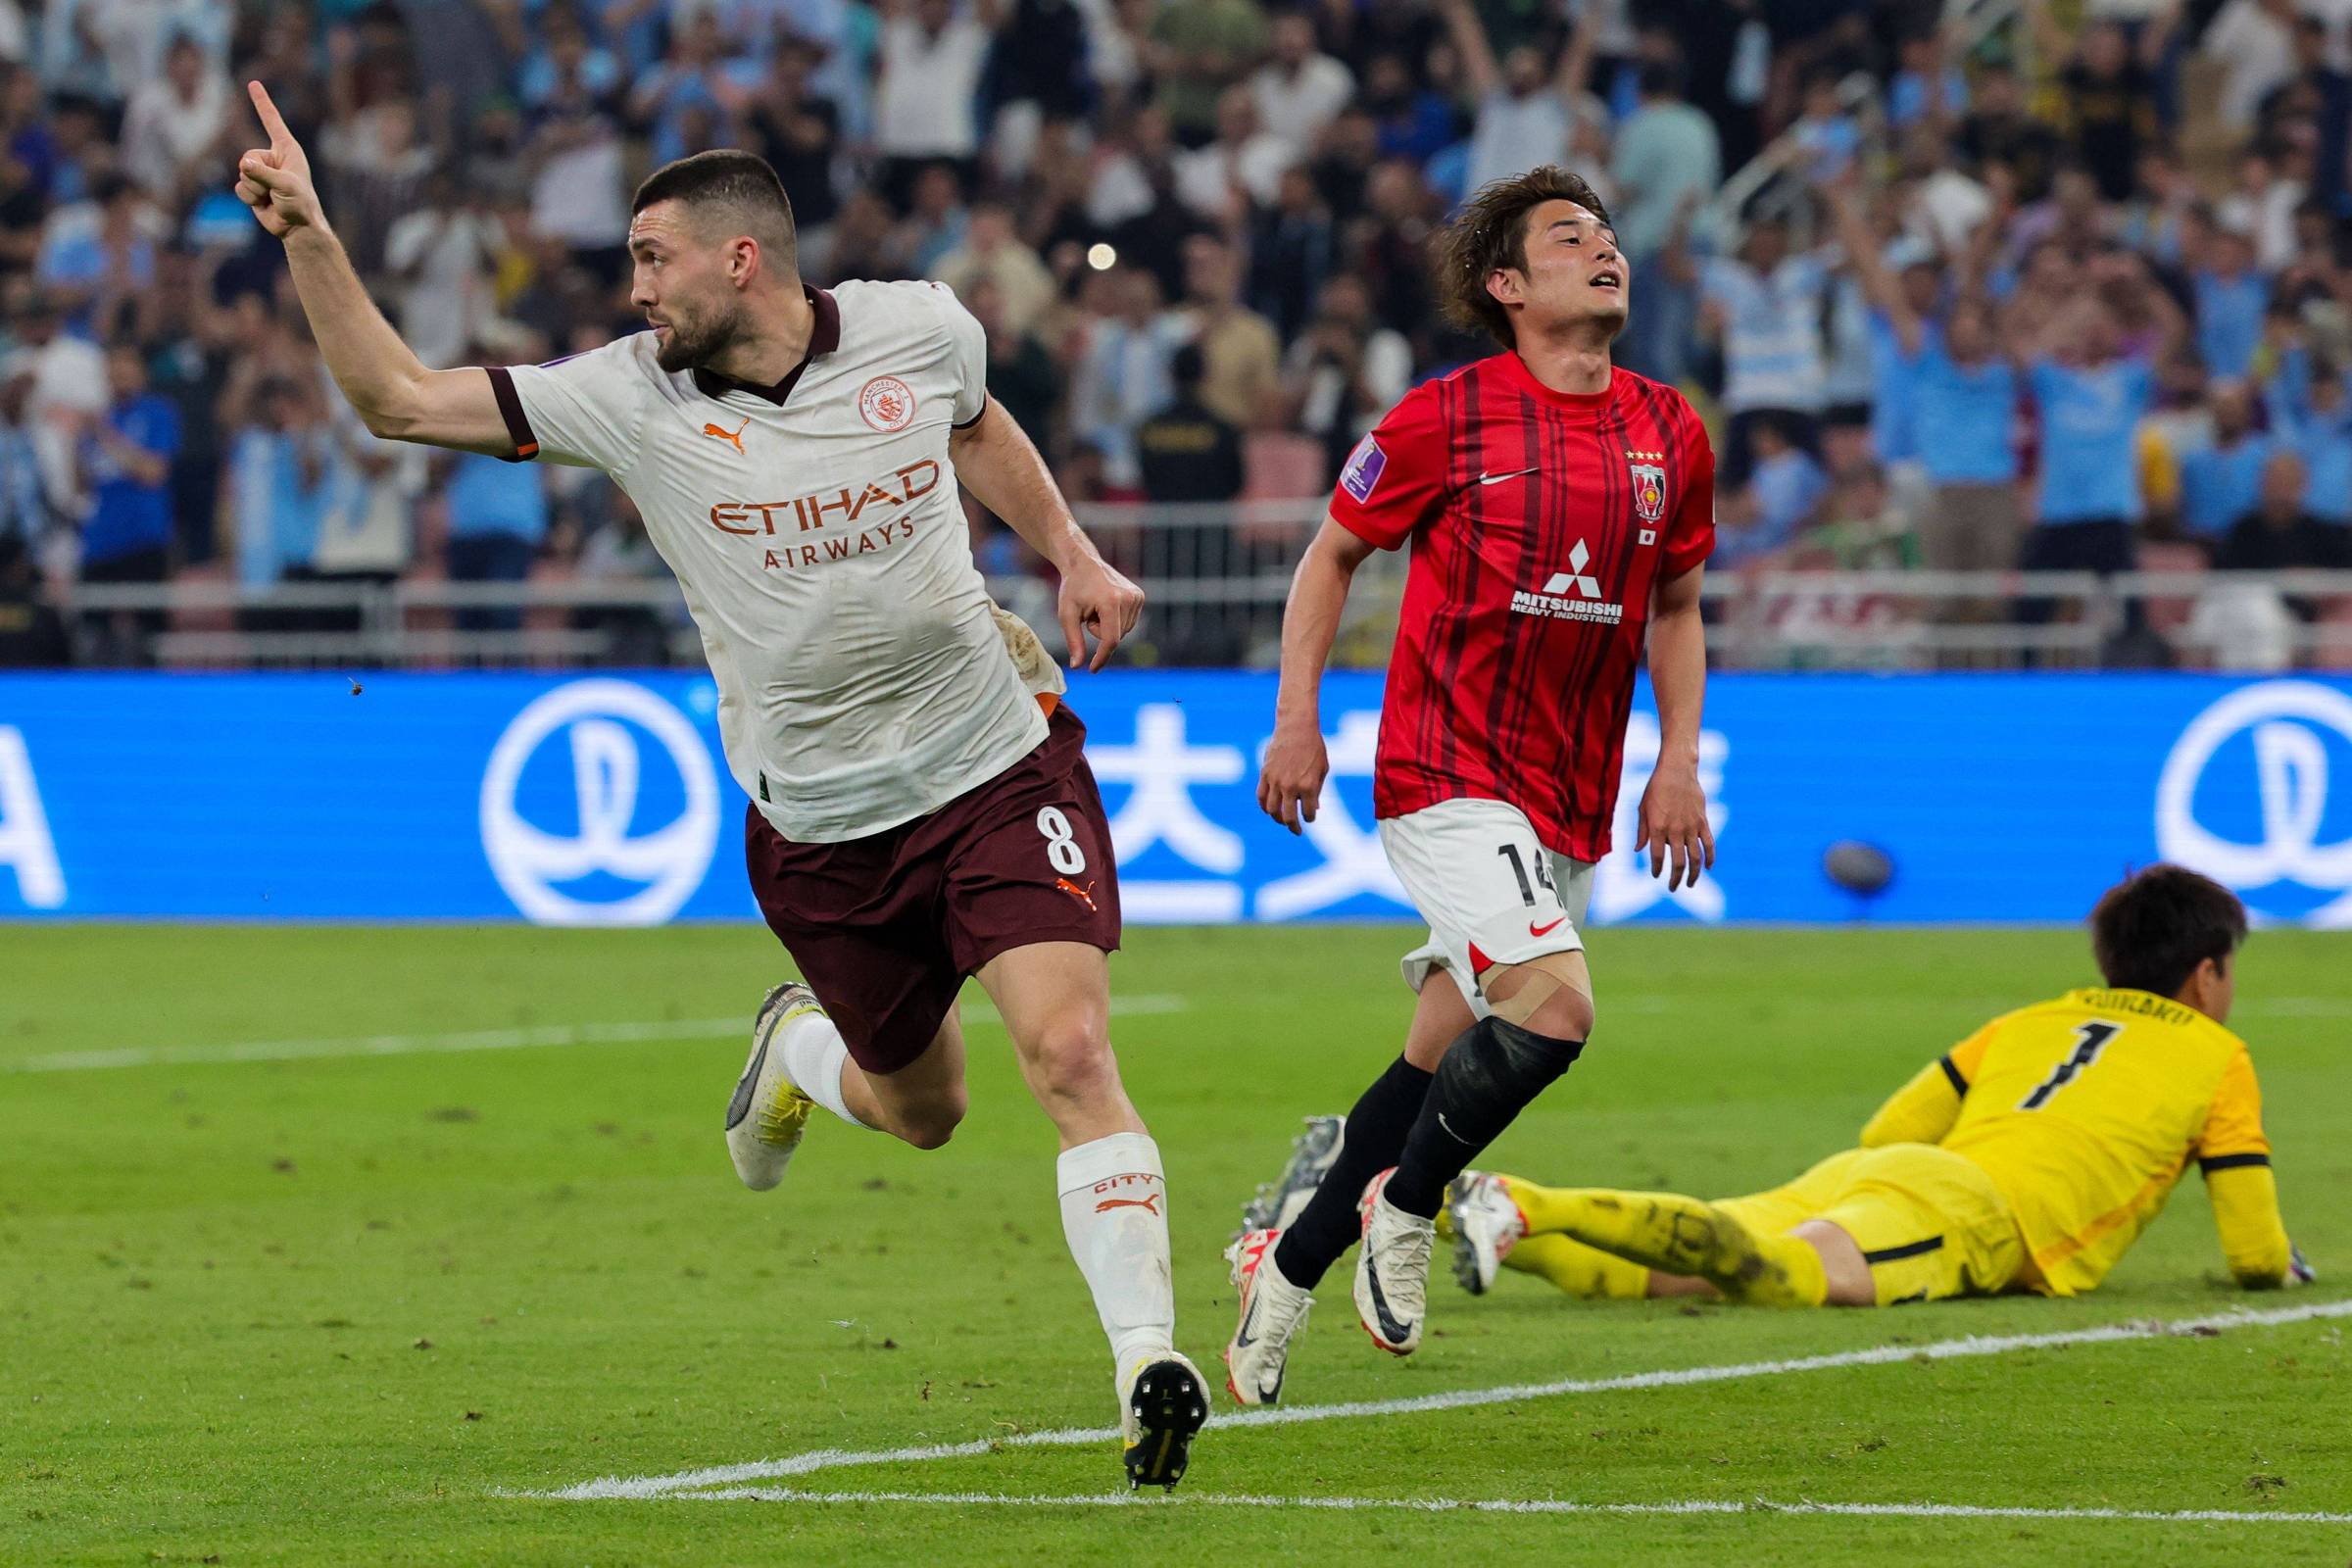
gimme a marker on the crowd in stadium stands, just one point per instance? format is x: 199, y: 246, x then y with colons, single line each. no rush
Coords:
x: 2067, y: 290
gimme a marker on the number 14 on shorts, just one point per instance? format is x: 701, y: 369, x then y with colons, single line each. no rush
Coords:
x: 1542, y: 878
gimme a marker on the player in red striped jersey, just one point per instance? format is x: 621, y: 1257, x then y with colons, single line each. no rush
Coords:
x: 1560, y: 512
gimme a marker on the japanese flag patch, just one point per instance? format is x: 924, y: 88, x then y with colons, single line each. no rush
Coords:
x: 1362, y: 472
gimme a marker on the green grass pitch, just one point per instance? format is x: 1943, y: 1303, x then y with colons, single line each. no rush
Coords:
x: 348, y: 1307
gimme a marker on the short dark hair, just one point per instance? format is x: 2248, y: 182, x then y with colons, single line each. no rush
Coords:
x: 727, y: 177
x: 1491, y: 232
x: 2151, y: 930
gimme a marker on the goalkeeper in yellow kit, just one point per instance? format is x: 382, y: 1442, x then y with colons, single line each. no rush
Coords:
x: 2029, y: 1157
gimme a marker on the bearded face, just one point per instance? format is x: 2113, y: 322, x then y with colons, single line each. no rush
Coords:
x: 692, y: 335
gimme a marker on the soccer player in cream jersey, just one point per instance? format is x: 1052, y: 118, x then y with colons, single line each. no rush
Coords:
x: 920, y: 810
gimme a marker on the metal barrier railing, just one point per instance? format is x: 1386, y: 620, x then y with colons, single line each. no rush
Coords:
x: 1215, y: 585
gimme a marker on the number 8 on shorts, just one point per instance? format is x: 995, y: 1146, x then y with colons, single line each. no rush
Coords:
x: 1061, y: 846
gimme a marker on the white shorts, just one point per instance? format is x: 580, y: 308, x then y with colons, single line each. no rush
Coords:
x: 1490, y: 891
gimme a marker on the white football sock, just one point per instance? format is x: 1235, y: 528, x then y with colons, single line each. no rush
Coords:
x: 1114, y: 1211
x: 815, y: 1056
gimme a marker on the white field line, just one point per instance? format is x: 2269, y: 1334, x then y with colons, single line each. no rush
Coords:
x: 610, y: 1034
x: 735, y: 1475
x: 556, y: 1034
x: 1550, y: 1506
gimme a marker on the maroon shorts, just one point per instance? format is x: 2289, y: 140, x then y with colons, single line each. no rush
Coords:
x: 885, y: 928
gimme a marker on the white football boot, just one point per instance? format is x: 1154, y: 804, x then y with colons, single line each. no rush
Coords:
x: 1487, y: 1225
x: 1162, y: 1404
x: 769, y: 1113
x: 1391, y: 1270
x: 1272, y: 1308
x: 1282, y: 1200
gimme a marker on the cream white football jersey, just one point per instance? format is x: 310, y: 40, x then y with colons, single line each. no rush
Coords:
x: 815, y: 530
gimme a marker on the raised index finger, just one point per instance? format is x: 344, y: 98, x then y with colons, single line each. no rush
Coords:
x: 280, y: 138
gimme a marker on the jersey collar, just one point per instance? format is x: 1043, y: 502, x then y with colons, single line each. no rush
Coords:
x: 823, y: 338
x: 1574, y: 402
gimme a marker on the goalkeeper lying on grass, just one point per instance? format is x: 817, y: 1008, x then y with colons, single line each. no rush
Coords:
x: 2030, y: 1157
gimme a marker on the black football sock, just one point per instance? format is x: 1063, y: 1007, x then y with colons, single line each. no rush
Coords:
x: 1492, y: 1071
x: 1328, y: 1225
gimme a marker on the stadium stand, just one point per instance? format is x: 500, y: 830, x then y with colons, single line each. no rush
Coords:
x: 1962, y: 288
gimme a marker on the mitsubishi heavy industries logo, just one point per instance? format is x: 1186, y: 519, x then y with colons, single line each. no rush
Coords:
x: 1570, y: 595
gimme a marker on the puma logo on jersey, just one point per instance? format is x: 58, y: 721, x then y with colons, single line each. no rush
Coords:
x: 734, y: 437
x: 1083, y: 895
x: 1149, y: 1204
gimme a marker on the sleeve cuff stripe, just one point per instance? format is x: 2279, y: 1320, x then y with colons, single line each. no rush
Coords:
x: 1895, y: 1254
x: 1952, y: 1076
x: 1361, y: 528
x: 509, y: 409
x: 966, y: 424
x: 2231, y: 1162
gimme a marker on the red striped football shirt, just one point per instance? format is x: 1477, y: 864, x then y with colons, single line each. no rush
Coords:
x: 1539, y: 523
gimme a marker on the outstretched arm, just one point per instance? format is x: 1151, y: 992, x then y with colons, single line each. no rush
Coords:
x: 1478, y: 55
x: 1576, y: 62
x: 1878, y: 285
x: 996, y: 462
x: 1291, y: 784
x: 395, y: 395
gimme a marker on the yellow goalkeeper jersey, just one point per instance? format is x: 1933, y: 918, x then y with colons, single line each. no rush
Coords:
x: 2084, y: 1111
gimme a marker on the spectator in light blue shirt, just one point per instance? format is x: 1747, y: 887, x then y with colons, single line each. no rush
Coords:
x: 24, y: 504
x: 1782, y: 497
x: 1667, y: 159
x: 126, y: 463
x: 1125, y: 373
x: 285, y: 473
x: 2090, y: 410
x: 1958, y: 401
x: 1911, y: 92
x: 2220, y: 481
x: 2231, y: 297
x: 1909, y: 271
x: 564, y: 52
x: 1965, y: 401
x: 2310, y: 408
x: 97, y: 256
x: 2089, y: 404
x: 694, y: 89
x: 1824, y: 131
x: 497, y: 521
x: 1766, y: 306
